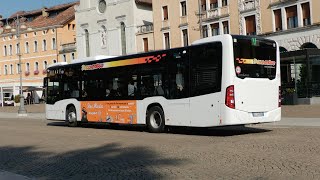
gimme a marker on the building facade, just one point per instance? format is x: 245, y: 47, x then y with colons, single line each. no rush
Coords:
x: 179, y: 23
x: 294, y: 24
x: 44, y: 33
x: 110, y: 27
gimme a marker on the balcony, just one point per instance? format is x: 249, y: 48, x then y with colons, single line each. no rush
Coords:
x: 248, y: 5
x: 145, y: 29
x: 216, y: 13
x: 67, y: 47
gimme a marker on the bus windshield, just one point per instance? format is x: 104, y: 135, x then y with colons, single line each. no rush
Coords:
x: 254, y: 58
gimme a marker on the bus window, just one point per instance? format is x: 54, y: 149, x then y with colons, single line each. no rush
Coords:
x: 256, y: 60
x: 178, y: 74
x: 206, y: 68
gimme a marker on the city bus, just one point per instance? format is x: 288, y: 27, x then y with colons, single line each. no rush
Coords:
x: 217, y: 81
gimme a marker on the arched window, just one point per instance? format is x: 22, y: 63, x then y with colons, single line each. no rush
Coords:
x: 18, y: 68
x: 123, y: 38
x: 282, y: 49
x: 54, y: 61
x: 17, y: 48
x: 10, y: 50
x: 28, y: 67
x: 36, y: 66
x: 44, y: 45
x: 103, y: 36
x: 36, y: 46
x: 86, y: 32
x: 54, y: 43
x: 5, y: 70
x: 45, y: 64
x: 5, y: 53
x: 308, y: 45
x: 27, y: 47
x: 11, y: 69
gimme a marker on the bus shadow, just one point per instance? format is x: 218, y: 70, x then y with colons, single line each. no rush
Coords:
x: 214, y: 131
x: 217, y: 131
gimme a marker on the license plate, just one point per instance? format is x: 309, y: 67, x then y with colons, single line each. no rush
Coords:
x: 258, y: 114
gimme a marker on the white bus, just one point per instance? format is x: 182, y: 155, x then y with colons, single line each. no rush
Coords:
x: 217, y: 81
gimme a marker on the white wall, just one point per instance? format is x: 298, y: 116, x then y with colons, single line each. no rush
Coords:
x: 117, y: 11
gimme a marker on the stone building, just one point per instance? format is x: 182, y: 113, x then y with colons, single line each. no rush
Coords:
x: 294, y: 24
x: 47, y: 36
x: 112, y: 27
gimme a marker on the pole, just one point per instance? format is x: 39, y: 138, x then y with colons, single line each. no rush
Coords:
x: 200, y: 18
x: 22, y: 109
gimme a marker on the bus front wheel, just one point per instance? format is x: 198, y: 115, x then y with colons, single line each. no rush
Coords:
x: 71, y: 117
x: 155, y: 119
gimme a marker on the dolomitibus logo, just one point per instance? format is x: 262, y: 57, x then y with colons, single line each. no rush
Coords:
x: 256, y: 61
x: 92, y: 67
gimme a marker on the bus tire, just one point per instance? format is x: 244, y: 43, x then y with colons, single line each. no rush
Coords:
x: 155, y: 120
x: 71, y: 117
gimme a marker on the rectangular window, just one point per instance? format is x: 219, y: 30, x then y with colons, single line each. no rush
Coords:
x: 145, y: 45
x: 215, y: 29
x: 306, y: 14
x: 206, y: 68
x: 203, y: 5
x: 165, y: 12
x: 255, y: 58
x: 204, y: 31
x: 224, y: 2
x: 278, y: 19
x: 213, y: 4
x: 292, y: 17
x: 167, y: 40
x: 225, y: 27
x: 251, y: 25
x: 185, y: 37
x: 183, y: 8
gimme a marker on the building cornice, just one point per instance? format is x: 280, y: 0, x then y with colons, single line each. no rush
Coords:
x: 293, y: 30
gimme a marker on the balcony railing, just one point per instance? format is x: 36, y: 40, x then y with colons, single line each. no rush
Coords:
x: 217, y: 12
x: 145, y: 29
x: 248, y: 5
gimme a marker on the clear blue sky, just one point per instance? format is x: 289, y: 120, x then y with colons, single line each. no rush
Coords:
x: 8, y: 7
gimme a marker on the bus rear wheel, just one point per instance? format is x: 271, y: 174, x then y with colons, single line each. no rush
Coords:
x: 71, y: 117
x: 155, y: 120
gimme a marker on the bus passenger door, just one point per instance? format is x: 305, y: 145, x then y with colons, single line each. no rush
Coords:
x: 205, y: 84
x: 178, y: 88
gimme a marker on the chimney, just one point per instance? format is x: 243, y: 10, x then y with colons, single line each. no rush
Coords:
x: 44, y: 12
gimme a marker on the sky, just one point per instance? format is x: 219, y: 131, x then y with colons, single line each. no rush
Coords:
x: 8, y: 7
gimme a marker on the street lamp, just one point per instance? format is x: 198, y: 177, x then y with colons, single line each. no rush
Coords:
x: 17, y: 30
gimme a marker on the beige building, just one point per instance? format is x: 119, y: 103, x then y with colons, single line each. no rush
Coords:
x: 47, y: 36
x: 294, y: 24
x: 180, y: 22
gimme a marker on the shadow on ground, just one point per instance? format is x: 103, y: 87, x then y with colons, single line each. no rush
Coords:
x: 215, y: 131
x: 106, y: 162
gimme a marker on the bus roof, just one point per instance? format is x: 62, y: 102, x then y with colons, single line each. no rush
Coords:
x: 77, y: 61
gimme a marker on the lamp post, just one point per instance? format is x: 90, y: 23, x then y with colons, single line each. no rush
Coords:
x: 17, y: 30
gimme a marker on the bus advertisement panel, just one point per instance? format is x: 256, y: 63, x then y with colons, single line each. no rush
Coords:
x: 121, y: 112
